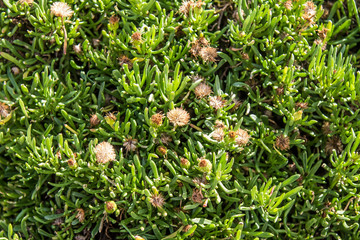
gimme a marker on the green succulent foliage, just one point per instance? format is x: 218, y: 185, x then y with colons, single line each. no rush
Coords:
x: 285, y: 82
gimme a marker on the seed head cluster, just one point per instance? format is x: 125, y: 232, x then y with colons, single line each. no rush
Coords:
x: 105, y: 152
x: 178, y: 117
x: 216, y: 102
x: 61, y: 9
x: 218, y: 134
x: 157, y: 200
x: 202, y: 90
x: 157, y: 119
x: 242, y: 137
x: 282, y: 142
x: 186, y: 6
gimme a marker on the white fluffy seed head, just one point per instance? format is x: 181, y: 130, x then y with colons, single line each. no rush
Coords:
x: 105, y: 152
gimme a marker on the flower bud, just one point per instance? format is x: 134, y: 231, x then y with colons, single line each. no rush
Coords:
x: 110, y: 207
x: 184, y: 163
x: 204, y: 165
x: 161, y: 150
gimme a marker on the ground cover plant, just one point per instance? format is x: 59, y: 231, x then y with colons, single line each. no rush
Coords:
x: 179, y: 120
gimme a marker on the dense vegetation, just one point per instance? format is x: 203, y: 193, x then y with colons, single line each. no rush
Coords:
x: 171, y: 120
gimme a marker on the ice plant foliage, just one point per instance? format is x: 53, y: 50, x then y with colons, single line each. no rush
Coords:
x: 179, y: 119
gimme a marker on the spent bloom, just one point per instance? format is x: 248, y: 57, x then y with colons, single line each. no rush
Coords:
x: 157, y: 200
x: 4, y: 110
x: 204, y: 165
x: 282, y: 142
x: 61, y: 9
x: 130, y: 144
x: 242, y: 137
x: 157, y: 119
x: 178, y: 117
x: 80, y: 214
x: 110, y: 207
x: 202, y: 90
x: 216, y: 102
x: 218, y: 134
x: 105, y: 152
x: 208, y: 54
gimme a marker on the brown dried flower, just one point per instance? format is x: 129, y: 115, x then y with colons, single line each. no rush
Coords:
x: 323, y: 33
x: 157, y: 119
x: 218, y: 134
x: 178, y: 117
x: 4, y: 110
x: 157, y: 200
x: 94, y: 120
x: 136, y: 37
x: 326, y: 128
x: 187, y: 228
x: 197, y: 45
x: 232, y: 134
x: 219, y: 124
x: 80, y: 214
x: 242, y: 137
x: 333, y: 143
x: 15, y: 70
x: 77, y: 48
x: 113, y: 20
x: 165, y: 138
x: 130, y: 144
x: 302, y: 105
x: 202, y: 90
x: 105, y: 152
x: 208, y: 54
x: 288, y: 4
x: 186, y: 6
x: 125, y: 60
x: 61, y: 9
x: 282, y: 142
x: 26, y: 1
x: 216, y: 102
x: 197, y: 196
x: 309, y: 12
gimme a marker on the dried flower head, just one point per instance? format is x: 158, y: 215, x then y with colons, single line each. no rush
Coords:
x: 208, y: 54
x: 245, y: 56
x: 197, y: 45
x: 165, y: 138
x: 157, y: 119
x: 323, y: 33
x: 280, y: 91
x: 178, y: 117
x: 95, y: 42
x: 218, y: 134
x: 333, y: 143
x: 136, y: 37
x: 94, y: 120
x: 72, y: 163
x: 114, y: 20
x: 202, y: 90
x: 309, y: 12
x: 288, y: 4
x: 29, y: 2
x: 80, y: 214
x: 105, y: 152
x: 61, y: 9
x: 161, y: 150
x: 187, y: 228
x: 130, y: 144
x: 242, y: 137
x: 15, y: 70
x: 326, y: 128
x: 157, y: 200
x: 125, y: 60
x: 219, y: 124
x: 216, y: 102
x: 197, y: 196
x: 302, y: 105
x: 186, y: 6
x: 282, y: 142
x: 4, y: 110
